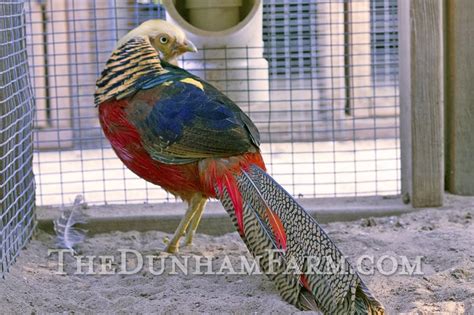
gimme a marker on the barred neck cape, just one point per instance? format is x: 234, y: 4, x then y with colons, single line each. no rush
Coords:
x: 127, y: 66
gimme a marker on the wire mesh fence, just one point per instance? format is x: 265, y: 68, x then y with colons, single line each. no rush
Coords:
x: 322, y: 89
x: 17, y: 193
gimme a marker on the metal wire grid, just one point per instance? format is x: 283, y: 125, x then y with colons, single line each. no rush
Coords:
x: 17, y: 192
x: 329, y: 125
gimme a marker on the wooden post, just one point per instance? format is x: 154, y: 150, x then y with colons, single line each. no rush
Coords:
x: 52, y: 80
x: 421, y: 101
x: 329, y: 83
x: 36, y: 56
x: 460, y: 97
x: 360, y: 69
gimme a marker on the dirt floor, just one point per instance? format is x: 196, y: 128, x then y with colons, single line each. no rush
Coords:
x: 444, y: 238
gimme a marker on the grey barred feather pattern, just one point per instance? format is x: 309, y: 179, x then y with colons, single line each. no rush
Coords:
x: 339, y: 291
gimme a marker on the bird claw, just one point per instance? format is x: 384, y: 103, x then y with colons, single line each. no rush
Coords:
x: 172, y: 249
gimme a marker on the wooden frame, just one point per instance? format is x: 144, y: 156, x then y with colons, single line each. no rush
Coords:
x: 421, y: 101
x: 459, y: 97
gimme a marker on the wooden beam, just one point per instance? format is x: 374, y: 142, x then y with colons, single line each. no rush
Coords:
x: 215, y: 221
x: 421, y: 101
x: 460, y: 97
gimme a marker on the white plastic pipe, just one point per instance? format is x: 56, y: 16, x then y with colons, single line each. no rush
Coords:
x: 213, y: 15
x: 228, y: 35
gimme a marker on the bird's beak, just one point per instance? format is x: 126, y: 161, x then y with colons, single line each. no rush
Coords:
x: 187, y: 46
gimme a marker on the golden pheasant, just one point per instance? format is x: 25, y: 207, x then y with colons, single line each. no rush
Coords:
x: 177, y: 131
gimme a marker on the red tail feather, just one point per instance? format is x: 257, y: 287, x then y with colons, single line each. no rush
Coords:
x: 217, y: 174
x: 277, y: 228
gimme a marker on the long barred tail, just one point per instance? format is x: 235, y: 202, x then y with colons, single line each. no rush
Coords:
x: 307, y: 268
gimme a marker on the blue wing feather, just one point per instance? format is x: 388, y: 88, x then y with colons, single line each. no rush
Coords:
x: 186, y: 123
x: 184, y: 106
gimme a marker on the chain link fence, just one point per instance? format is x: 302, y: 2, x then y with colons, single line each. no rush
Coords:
x: 17, y: 191
x: 326, y: 105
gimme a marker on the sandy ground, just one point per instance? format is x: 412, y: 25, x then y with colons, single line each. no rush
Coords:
x: 444, y: 239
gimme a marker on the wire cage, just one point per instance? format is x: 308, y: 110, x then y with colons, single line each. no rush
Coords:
x: 17, y: 193
x: 325, y: 100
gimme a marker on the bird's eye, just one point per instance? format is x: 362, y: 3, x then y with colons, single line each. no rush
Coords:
x: 163, y: 39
